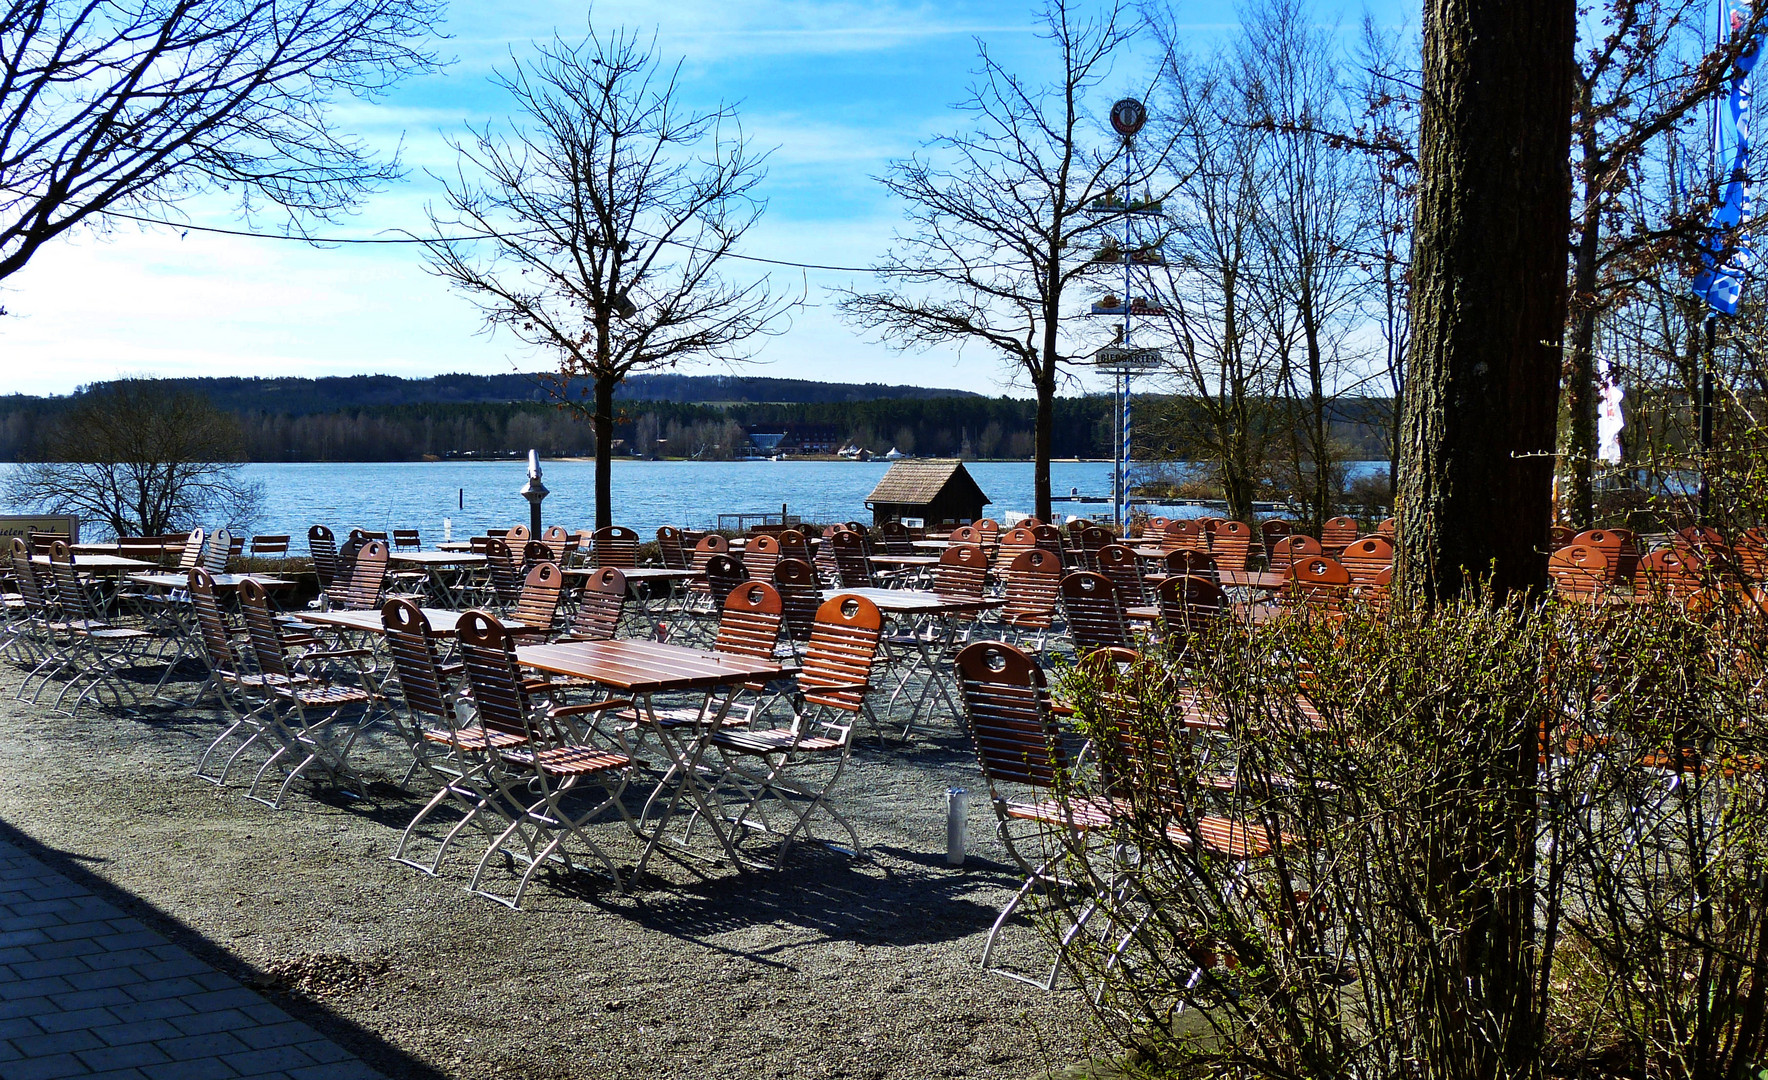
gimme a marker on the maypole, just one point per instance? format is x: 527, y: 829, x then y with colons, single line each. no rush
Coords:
x: 1122, y: 359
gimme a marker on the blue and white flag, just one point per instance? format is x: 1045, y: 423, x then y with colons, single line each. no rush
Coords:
x: 1728, y: 255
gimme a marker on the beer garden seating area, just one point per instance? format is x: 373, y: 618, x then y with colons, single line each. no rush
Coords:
x: 562, y: 695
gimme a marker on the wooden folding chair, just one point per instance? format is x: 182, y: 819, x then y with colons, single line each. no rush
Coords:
x: 760, y: 556
x: 1231, y: 544
x: 1049, y: 537
x: 1184, y: 533
x: 535, y: 784
x: 896, y: 538
x: 1033, y: 585
x: 98, y: 651
x: 305, y: 707
x: 853, y: 570
x: 322, y: 547
x: 962, y: 572
x: 794, y: 545
x: 1191, y: 608
x: 1318, y: 583
x: 1337, y: 534
x: 1094, y: 539
x: 1013, y: 542
x: 1095, y: 616
x: 600, y: 605
x: 1579, y: 572
x: 242, y: 694
x: 1609, y: 544
x: 749, y: 626
x: 790, y: 770
x: 361, y: 589
x: 1367, y: 558
x: 537, y: 608
x: 1292, y: 547
x: 446, y: 739
x: 800, y: 597
x: 670, y: 549
x: 270, y: 547
x: 1023, y: 756
x: 44, y: 635
x: 1120, y: 564
x: 616, y: 546
x: 1271, y: 531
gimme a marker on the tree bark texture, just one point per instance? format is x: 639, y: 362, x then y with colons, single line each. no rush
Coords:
x: 1489, y: 295
x: 604, y: 450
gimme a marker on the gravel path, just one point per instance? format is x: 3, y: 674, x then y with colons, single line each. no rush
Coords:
x: 829, y: 968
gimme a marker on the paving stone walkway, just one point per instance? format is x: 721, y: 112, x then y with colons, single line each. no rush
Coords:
x: 87, y: 991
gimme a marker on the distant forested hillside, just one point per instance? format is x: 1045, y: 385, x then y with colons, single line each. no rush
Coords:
x: 301, y: 397
x: 382, y: 418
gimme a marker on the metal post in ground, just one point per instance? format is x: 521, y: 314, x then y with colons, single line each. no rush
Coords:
x: 534, y: 491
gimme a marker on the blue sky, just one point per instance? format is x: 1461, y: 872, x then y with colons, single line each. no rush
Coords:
x: 839, y: 89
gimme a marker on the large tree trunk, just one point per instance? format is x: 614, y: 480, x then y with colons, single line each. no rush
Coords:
x: 604, y: 450
x: 1488, y: 300
x: 1481, y: 405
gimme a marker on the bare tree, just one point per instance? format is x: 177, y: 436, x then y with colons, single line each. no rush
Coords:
x: 1219, y: 354
x: 1001, y: 227
x: 142, y: 459
x: 599, y: 228
x: 1310, y: 228
x: 1387, y: 133
x: 131, y: 104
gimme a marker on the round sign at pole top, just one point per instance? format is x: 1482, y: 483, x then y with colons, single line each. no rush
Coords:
x: 1128, y: 116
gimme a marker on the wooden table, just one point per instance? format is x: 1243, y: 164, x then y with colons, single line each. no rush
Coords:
x: 644, y: 668
x: 932, y: 612
x: 645, y: 575
x: 437, y: 558
x: 436, y: 564
x: 906, y: 560
x: 932, y: 545
x: 108, y: 563
x: 222, y: 581
x: 442, y: 621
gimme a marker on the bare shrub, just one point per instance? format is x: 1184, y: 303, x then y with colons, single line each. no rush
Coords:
x: 1488, y: 840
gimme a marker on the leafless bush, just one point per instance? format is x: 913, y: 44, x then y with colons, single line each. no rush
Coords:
x: 140, y: 459
x: 1493, y: 840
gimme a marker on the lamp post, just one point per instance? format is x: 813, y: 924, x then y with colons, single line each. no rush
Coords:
x: 534, y: 491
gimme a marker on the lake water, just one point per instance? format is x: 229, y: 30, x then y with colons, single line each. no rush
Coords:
x: 474, y: 496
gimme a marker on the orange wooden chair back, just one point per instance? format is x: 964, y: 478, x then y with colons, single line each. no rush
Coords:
x: 1292, y: 547
x: 1339, y: 532
x: 1032, y: 583
x: 1580, y: 571
x: 1231, y: 545
x: 1367, y: 558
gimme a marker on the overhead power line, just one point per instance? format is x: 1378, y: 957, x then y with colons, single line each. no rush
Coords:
x: 450, y: 239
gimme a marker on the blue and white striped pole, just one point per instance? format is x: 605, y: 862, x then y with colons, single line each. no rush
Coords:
x: 1123, y: 508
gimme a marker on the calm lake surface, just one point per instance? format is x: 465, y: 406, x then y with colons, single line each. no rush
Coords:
x: 474, y: 496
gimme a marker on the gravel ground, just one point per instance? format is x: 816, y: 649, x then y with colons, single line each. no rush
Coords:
x: 831, y: 967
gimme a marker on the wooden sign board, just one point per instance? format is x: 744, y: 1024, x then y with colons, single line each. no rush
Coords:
x: 23, y: 525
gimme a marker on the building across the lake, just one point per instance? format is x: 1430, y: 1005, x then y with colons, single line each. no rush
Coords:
x: 938, y: 491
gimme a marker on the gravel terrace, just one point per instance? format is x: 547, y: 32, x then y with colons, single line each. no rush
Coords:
x: 829, y: 968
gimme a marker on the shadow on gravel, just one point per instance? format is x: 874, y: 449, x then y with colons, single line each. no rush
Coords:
x: 371, y: 1048
x: 838, y: 899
